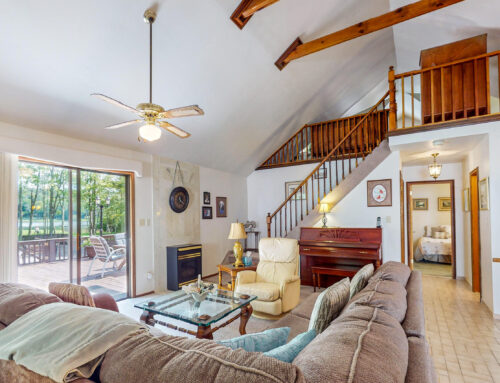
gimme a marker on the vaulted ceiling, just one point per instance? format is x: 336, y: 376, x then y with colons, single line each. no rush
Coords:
x: 55, y: 53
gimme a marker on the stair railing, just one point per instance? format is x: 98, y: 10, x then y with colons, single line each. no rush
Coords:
x: 343, y: 158
x: 312, y: 142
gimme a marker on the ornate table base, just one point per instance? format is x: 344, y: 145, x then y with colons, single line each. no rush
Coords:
x: 204, y: 332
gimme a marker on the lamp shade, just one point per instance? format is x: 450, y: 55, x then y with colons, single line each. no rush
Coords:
x: 324, y: 207
x: 237, y: 231
x: 435, y: 168
x: 150, y: 132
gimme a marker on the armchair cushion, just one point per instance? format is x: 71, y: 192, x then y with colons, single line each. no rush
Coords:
x: 267, y: 292
x: 246, y: 276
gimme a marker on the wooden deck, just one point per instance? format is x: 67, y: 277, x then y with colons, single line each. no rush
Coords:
x: 41, y: 274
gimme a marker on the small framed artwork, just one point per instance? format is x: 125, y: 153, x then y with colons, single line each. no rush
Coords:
x: 379, y: 193
x: 206, y: 198
x: 421, y: 204
x: 444, y: 203
x: 466, y: 199
x: 320, y: 174
x: 290, y: 188
x: 220, y: 206
x: 206, y: 212
x: 484, y: 194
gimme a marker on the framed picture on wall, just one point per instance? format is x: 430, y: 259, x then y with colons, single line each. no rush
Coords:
x: 379, y: 193
x: 206, y: 212
x: 421, y: 204
x: 206, y: 198
x: 290, y: 188
x: 444, y: 204
x: 466, y: 199
x: 484, y: 194
x: 221, y: 206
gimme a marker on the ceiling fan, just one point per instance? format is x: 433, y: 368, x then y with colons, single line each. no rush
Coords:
x: 150, y: 114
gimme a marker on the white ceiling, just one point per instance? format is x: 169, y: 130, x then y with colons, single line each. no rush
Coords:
x: 55, y: 53
x: 450, y: 150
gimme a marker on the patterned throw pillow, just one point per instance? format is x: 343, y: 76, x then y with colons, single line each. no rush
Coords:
x: 259, y: 342
x: 361, y: 278
x: 329, y: 304
x: 289, y: 351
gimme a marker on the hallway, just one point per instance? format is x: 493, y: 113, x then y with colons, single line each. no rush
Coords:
x: 464, y: 337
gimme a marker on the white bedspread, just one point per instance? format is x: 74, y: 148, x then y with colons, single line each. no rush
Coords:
x: 433, y: 249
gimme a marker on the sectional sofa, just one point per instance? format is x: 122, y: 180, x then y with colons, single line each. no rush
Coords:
x: 378, y: 338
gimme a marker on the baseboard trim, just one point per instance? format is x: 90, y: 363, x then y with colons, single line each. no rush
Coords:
x: 210, y: 276
x: 144, y: 294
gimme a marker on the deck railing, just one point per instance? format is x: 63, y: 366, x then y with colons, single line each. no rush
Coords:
x: 454, y: 91
x: 48, y: 250
x: 340, y: 161
x: 313, y: 142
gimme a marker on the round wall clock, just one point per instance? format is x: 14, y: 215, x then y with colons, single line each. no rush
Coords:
x: 179, y: 199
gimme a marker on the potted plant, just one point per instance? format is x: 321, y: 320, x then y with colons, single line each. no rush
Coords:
x: 88, y: 249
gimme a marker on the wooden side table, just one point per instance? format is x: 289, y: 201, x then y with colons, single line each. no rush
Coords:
x: 233, y: 271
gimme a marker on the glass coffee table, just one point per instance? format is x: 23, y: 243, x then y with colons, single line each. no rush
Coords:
x: 215, y: 308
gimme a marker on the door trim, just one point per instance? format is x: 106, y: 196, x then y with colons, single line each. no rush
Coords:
x: 476, y: 281
x: 451, y: 183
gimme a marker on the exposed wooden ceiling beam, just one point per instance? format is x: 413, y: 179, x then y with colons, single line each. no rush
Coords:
x: 247, y: 8
x: 374, y: 24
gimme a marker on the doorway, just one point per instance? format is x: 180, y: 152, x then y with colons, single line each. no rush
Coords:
x: 430, y: 207
x: 475, y: 231
x: 74, y: 226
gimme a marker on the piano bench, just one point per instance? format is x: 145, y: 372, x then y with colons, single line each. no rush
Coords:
x: 339, y: 271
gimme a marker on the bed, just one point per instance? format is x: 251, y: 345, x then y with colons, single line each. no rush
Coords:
x: 434, y: 248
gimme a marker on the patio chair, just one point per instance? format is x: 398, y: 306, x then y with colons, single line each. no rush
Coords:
x: 105, y: 254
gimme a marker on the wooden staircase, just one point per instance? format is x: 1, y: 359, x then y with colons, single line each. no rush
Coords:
x: 339, y: 146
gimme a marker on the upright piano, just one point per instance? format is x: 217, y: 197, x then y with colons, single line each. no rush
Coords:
x: 343, y: 248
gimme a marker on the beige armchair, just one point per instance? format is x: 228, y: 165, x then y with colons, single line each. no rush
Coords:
x: 276, y: 282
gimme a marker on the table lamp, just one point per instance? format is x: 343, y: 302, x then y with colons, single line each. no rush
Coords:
x: 324, y: 208
x: 237, y: 232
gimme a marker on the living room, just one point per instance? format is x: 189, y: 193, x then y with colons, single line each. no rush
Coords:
x: 270, y: 144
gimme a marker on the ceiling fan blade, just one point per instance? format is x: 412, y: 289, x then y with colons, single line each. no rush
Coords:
x: 185, y: 111
x: 174, y: 129
x: 122, y: 124
x: 115, y: 102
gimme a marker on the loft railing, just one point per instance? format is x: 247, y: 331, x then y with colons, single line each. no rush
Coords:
x: 313, y: 142
x: 459, y: 90
x: 339, y: 162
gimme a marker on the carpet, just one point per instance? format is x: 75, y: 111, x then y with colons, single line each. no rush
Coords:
x: 436, y: 269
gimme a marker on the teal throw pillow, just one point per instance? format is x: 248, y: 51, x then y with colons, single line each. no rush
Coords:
x: 289, y: 351
x: 259, y: 342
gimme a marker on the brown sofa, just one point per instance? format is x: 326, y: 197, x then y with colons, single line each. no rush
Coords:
x: 379, y: 337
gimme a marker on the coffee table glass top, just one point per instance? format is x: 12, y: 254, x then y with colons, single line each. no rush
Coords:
x: 181, y: 306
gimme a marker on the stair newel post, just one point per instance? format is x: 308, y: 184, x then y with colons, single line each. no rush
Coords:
x: 392, y: 100
x: 268, y: 220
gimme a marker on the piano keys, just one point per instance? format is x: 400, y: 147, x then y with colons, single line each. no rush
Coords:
x: 338, y: 248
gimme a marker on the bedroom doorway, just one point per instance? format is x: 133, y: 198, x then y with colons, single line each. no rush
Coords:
x: 430, y: 207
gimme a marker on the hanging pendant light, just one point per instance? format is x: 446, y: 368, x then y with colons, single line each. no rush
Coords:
x: 435, y: 168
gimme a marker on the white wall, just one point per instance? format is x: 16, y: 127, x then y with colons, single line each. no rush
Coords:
x: 451, y: 171
x: 352, y: 211
x: 266, y: 191
x: 480, y: 158
x: 214, y: 231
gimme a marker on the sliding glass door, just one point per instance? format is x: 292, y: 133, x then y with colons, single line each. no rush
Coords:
x: 74, y: 227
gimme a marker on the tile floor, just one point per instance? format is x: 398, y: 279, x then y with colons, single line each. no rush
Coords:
x: 464, y: 337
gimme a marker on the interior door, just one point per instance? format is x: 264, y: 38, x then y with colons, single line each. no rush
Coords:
x: 475, y: 237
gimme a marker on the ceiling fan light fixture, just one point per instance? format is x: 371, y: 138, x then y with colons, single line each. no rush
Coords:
x: 150, y: 132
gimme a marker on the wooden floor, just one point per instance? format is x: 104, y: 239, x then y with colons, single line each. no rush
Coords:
x: 40, y: 275
x: 464, y: 337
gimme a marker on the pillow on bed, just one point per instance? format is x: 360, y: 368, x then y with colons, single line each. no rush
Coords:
x: 439, y: 235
